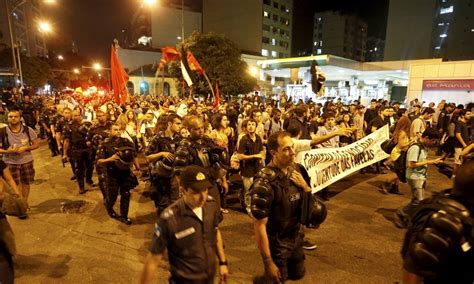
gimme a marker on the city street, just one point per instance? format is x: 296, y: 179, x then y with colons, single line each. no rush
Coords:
x: 69, y: 238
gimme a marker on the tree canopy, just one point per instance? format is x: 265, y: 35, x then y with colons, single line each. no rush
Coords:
x: 221, y: 60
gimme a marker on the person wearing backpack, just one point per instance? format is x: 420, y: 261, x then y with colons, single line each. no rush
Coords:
x: 18, y: 141
x: 416, y: 172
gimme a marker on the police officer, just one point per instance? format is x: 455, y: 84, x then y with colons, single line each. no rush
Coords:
x: 281, y: 202
x: 46, y: 121
x: 202, y: 151
x: 438, y: 244
x: 188, y: 229
x: 76, y: 149
x: 97, y: 133
x: 60, y: 123
x: 117, y: 155
x: 160, y: 155
x: 28, y: 112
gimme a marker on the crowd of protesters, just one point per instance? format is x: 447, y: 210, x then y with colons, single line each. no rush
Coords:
x: 233, y: 135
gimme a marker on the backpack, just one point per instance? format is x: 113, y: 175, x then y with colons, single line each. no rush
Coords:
x: 4, y: 136
x: 400, y: 165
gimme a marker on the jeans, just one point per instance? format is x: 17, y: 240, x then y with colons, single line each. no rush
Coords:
x: 417, y: 187
x: 247, y: 181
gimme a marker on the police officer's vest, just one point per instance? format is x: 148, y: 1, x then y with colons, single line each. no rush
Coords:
x: 286, y: 209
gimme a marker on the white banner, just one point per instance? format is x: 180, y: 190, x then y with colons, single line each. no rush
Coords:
x: 325, y: 166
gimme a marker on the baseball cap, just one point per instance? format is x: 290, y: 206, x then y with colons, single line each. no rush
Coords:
x: 194, y: 177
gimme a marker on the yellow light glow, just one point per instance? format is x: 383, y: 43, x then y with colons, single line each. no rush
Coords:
x: 253, y: 71
x: 49, y: 1
x: 76, y: 71
x: 60, y: 57
x: 150, y: 2
x: 97, y: 66
x: 45, y: 27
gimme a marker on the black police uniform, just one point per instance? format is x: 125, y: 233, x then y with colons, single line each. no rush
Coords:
x: 162, y: 192
x: 79, y: 152
x: 118, y: 176
x: 435, y: 243
x: 60, y: 124
x: 98, y: 133
x: 48, y: 118
x: 191, y: 243
x: 206, y: 155
x: 28, y: 113
x: 283, y: 205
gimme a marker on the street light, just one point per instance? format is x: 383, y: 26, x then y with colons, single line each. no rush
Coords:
x: 44, y: 27
x: 76, y: 71
x: 60, y: 57
x: 10, y: 12
x: 97, y: 66
x: 150, y: 2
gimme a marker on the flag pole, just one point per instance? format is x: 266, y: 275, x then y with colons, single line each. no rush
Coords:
x: 209, y: 82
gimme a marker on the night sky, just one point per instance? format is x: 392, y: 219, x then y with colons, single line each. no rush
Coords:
x: 93, y: 24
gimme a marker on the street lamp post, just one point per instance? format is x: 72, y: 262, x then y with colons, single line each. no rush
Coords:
x: 12, y: 39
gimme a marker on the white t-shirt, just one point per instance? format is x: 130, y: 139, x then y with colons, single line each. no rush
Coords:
x: 198, y: 212
x: 301, y: 145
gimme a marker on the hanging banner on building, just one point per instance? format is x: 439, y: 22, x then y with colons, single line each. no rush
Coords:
x: 449, y: 85
x: 325, y: 166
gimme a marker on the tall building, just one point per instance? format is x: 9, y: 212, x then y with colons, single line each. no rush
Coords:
x: 375, y: 49
x: 24, y: 22
x: 339, y: 34
x: 160, y: 25
x: 430, y: 29
x: 256, y: 26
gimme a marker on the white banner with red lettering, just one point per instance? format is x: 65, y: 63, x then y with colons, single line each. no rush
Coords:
x: 325, y: 166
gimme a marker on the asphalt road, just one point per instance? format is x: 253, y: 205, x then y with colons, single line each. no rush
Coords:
x: 69, y: 238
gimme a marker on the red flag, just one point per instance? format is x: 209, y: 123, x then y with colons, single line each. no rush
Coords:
x: 217, y: 97
x: 119, y: 78
x: 194, y: 64
x: 169, y: 54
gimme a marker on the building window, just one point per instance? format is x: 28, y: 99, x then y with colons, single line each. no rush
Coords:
x: 267, y: 2
x: 319, y: 19
x: 440, y: 24
x: 447, y: 10
x: 274, y: 53
x: 266, y: 28
x: 265, y: 40
x: 275, y: 30
x: 266, y: 14
x: 315, y: 43
x: 274, y: 41
x: 264, y: 52
x: 443, y: 35
x: 438, y: 47
x: 282, y: 55
x: 319, y: 51
x: 275, y: 18
x: 275, y: 5
x: 283, y: 44
x: 321, y: 43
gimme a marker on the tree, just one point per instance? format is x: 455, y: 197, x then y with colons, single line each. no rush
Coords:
x: 36, y: 71
x: 221, y: 59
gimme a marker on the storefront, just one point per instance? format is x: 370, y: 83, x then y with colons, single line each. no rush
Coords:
x: 458, y: 91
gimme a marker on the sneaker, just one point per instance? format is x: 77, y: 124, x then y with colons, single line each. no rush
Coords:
x: 125, y: 220
x: 82, y: 191
x: 224, y: 211
x: 90, y: 183
x: 73, y: 178
x: 307, y: 245
x: 23, y: 217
